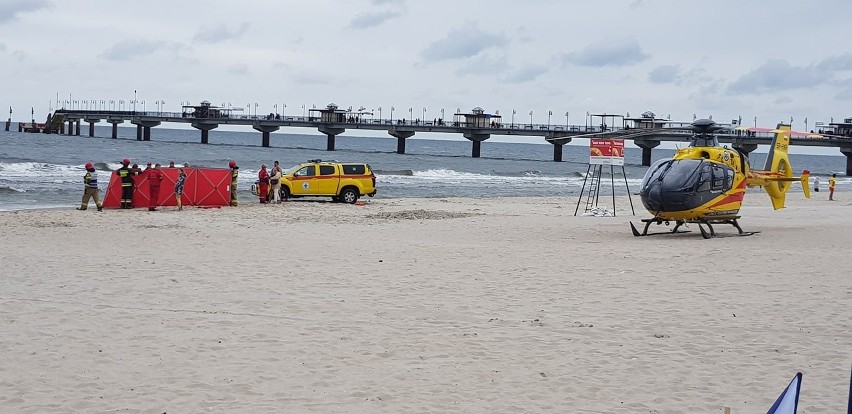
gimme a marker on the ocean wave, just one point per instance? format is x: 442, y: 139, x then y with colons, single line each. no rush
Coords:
x: 11, y: 190
x: 394, y: 172
x: 41, y: 172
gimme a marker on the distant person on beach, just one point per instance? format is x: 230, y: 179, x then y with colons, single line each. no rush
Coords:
x: 275, y: 183
x: 179, y: 187
x: 263, y: 184
x: 155, y: 178
x: 186, y: 165
x: 148, y: 166
x: 126, y: 177
x: 90, y: 179
x: 816, y: 184
x: 235, y: 170
x: 171, y: 164
x: 832, y: 182
x: 136, y: 170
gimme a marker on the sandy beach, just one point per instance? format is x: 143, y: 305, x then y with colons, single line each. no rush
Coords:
x: 503, y: 305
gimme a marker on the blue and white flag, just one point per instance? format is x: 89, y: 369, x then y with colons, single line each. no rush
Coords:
x: 788, y: 401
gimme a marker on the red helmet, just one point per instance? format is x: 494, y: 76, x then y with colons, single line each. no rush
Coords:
x: 125, y: 161
x: 232, y: 164
x: 89, y: 166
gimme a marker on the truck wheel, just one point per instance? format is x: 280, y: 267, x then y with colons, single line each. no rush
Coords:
x: 349, y: 195
x: 285, y: 193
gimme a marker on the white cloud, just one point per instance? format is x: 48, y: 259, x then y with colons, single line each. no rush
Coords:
x: 465, y: 42
x: 220, y: 33
x: 610, y: 53
x: 368, y: 20
x: 776, y: 74
x: 131, y: 49
x: 10, y: 9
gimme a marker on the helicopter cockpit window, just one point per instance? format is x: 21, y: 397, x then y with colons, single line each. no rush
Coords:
x: 705, y: 178
x: 718, y: 177
x: 682, y: 175
x: 655, y: 171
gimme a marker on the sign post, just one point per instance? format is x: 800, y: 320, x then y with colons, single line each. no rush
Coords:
x: 603, y: 152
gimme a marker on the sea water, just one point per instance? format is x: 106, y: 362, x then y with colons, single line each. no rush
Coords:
x: 46, y: 171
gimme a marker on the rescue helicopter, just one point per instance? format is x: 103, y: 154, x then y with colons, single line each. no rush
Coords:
x: 705, y: 183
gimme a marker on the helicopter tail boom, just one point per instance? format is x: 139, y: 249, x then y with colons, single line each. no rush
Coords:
x: 777, y: 175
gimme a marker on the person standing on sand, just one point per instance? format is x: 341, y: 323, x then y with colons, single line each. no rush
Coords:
x: 832, y: 182
x: 263, y: 184
x: 275, y: 182
x: 91, y: 191
x: 155, y: 178
x: 126, y: 177
x: 179, y: 187
x: 235, y: 170
x: 816, y: 184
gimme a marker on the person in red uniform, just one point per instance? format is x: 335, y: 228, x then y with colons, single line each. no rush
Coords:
x: 263, y: 183
x: 155, y: 178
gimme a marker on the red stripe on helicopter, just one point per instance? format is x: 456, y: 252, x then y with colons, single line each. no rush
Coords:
x: 733, y: 198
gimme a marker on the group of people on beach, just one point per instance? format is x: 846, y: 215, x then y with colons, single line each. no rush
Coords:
x: 153, y: 175
x: 269, y: 184
x: 832, y: 184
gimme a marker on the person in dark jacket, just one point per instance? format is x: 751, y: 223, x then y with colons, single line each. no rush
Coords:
x: 126, y: 177
x: 155, y: 178
x: 90, y: 180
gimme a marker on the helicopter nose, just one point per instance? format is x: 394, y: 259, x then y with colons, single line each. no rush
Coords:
x: 652, y: 196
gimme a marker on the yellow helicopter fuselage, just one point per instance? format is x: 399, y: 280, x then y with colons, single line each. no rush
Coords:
x: 700, y: 183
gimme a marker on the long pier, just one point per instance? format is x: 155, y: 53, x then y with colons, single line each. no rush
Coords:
x: 476, y: 126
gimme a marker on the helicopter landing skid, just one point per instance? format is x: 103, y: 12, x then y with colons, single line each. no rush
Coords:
x: 712, y: 233
x: 707, y: 234
x: 648, y: 223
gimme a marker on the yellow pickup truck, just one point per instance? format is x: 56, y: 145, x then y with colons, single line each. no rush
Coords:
x: 342, y: 181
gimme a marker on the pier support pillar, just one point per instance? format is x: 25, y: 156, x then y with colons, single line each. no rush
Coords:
x: 400, y: 139
x: 70, y: 127
x: 91, y: 128
x: 646, y: 146
x: 266, y: 130
x: 476, y: 139
x: 558, y: 143
x: 8, y: 124
x: 77, y: 128
x: 331, y: 133
x: 744, y: 148
x: 115, y: 123
x: 848, y: 153
x: 143, y: 129
x: 557, y: 152
x: 205, y: 128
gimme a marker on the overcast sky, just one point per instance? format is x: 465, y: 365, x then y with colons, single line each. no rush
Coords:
x: 770, y: 59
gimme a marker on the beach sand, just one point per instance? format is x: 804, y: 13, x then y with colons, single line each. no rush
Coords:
x: 502, y: 305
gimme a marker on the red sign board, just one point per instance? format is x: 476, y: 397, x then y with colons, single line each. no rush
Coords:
x: 606, y: 151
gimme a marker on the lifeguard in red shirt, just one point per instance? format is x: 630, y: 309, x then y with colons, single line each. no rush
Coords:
x: 263, y: 183
x: 155, y: 178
